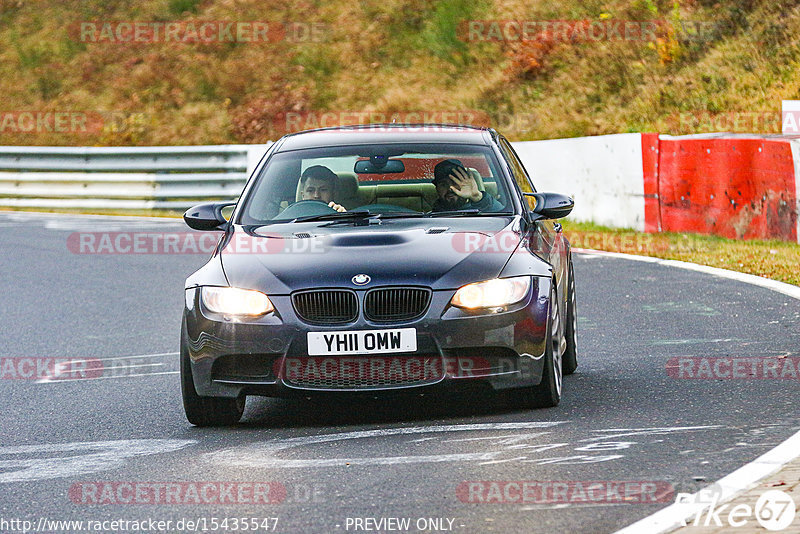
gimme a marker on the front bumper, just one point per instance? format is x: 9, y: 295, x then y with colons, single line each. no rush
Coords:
x: 268, y: 355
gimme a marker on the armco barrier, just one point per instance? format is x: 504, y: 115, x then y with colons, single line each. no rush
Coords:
x: 650, y: 183
x: 795, y: 144
x: 735, y: 187
x: 123, y: 178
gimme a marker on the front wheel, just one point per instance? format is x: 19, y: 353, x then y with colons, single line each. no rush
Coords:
x: 571, y: 331
x: 547, y: 393
x: 205, y: 411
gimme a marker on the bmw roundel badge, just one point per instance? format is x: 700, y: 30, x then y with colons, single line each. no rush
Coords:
x: 361, y: 279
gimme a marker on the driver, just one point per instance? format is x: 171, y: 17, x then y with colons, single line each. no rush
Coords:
x: 456, y: 189
x: 319, y: 183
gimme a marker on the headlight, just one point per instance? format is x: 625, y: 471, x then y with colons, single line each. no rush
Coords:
x: 235, y: 301
x: 492, y: 293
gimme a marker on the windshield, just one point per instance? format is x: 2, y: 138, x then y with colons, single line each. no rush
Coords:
x: 377, y: 180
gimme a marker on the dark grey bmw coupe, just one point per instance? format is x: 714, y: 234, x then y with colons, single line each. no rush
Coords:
x: 380, y: 258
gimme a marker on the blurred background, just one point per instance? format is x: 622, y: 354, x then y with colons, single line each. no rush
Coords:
x: 688, y: 66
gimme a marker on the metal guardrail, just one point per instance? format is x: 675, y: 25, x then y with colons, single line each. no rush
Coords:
x: 124, y: 177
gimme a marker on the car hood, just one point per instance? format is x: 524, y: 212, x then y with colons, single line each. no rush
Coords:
x: 437, y: 253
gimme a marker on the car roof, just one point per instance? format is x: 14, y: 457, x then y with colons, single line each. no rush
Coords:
x: 368, y: 134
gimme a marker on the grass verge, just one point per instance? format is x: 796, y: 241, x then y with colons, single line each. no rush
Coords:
x: 779, y: 260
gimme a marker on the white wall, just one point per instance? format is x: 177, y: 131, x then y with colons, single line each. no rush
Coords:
x: 603, y: 174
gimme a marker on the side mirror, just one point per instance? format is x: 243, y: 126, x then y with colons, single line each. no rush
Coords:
x: 551, y: 205
x: 207, y: 216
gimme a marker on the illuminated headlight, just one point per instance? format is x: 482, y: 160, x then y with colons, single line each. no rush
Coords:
x: 235, y: 301
x: 492, y: 293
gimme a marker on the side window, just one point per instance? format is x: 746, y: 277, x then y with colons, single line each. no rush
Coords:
x: 519, y: 162
x: 520, y: 176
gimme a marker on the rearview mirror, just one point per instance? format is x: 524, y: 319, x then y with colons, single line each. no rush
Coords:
x: 379, y: 165
x: 207, y: 216
x: 552, y: 205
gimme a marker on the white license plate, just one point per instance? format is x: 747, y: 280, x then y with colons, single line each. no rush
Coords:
x: 362, y: 342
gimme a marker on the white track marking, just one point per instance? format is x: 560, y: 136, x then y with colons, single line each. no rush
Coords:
x: 266, y: 455
x: 624, y: 432
x: 124, y: 357
x: 748, y: 475
x: 502, y: 440
x: 66, y: 380
x: 693, y: 341
x: 262, y: 455
x: 133, y: 366
x: 577, y: 459
x: 94, y: 456
x: 492, y: 462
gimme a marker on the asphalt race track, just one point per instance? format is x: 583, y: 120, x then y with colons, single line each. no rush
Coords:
x: 623, y: 418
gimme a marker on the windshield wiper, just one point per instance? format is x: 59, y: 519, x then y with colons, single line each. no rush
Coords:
x: 378, y: 217
x: 462, y: 213
x: 453, y: 213
x: 363, y: 216
x: 337, y: 215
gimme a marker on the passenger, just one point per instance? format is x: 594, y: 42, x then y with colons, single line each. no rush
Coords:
x: 456, y: 189
x: 319, y: 183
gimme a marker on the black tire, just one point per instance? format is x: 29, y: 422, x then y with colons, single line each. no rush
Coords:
x: 205, y: 411
x: 547, y: 393
x: 570, y: 360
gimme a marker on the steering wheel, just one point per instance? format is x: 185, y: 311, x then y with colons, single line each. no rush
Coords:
x: 305, y: 208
